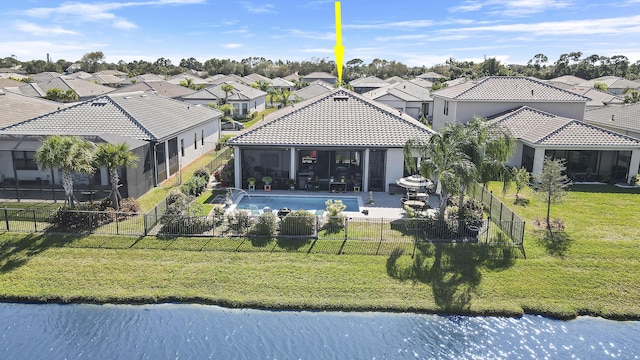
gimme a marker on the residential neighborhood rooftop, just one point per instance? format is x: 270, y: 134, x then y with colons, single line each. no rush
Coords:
x: 624, y: 117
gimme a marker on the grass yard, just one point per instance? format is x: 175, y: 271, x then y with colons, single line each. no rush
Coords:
x: 591, y: 268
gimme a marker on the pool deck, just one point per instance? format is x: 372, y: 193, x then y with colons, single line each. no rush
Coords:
x: 385, y: 205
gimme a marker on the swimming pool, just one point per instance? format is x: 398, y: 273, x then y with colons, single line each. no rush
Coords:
x: 312, y: 203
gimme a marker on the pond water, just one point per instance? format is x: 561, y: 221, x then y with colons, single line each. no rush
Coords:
x: 171, y: 331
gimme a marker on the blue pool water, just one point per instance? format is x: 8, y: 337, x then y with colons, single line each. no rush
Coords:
x: 291, y: 202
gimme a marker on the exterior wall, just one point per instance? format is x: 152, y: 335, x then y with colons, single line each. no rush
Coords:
x: 516, y: 159
x: 195, y: 149
x: 395, y: 167
x: 463, y: 111
x: 140, y: 179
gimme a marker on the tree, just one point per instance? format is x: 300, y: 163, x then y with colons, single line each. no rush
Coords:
x: 284, y: 96
x: 112, y: 157
x: 600, y: 86
x: 552, y: 183
x: 70, y: 155
x: 461, y: 154
x: 90, y: 61
x: 631, y: 96
x: 521, y: 177
x: 228, y: 90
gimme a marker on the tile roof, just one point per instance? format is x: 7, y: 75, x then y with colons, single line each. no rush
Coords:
x: 430, y: 75
x: 241, y: 92
x: 15, y: 108
x: 143, y: 117
x: 406, y: 91
x: 82, y: 87
x: 163, y: 88
x: 508, y: 88
x: 568, y: 79
x: 230, y: 79
x: 280, y: 82
x: 313, y: 90
x: 338, y: 118
x: 612, y: 82
x: 596, y: 97
x: 176, y: 79
x: 625, y: 117
x: 542, y: 128
x: 368, y: 81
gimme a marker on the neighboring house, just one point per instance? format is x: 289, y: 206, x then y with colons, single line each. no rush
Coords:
x: 591, y: 153
x: 116, y: 73
x: 107, y: 80
x: 292, y: 77
x: 73, y: 68
x: 78, y: 75
x: 596, y: 97
x: 9, y: 83
x: 623, y: 119
x: 245, y: 99
x: 311, y: 91
x: 85, y: 89
x: 368, y: 83
x: 166, y: 135
x: 323, y: 76
x: 177, y: 79
x: 491, y: 95
x: 231, y: 78
x: 254, y: 78
x: 615, y: 85
x: 567, y: 80
x: 430, y: 76
x: 336, y: 135
x: 147, y: 78
x: 406, y: 97
x: 282, y: 84
x: 45, y: 76
x: 16, y: 108
x: 422, y: 83
x: 162, y: 88
x: 394, y: 79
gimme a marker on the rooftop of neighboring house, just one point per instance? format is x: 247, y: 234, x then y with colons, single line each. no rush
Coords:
x: 430, y: 75
x: 394, y: 79
x: 117, y: 73
x: 292, y: 77
x: 596, y: 97
x: 138, y: 116
x: 163, y: 88
x: 542, y: 128
x: 314, y: 89
x: 241, y: 92
x: 45, y: 76
x: 176, y: 79
x: 320, y: 75
x: 406, y: 91
x: 231, y: 78
x: 612, y: 82
x: 16, y: 107
x: 422, y: 82
x: 337, y: 118
x: 257, y: 77
x: 625, y: 117
x: 105, y: 79
x: 567, y: 79
x: 281, y: 83
x: 83, y: 88
x: 508, y: 88
x: 147, y: 77
x: 368, y: 82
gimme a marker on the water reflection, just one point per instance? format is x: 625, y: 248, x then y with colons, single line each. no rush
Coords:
x: 193, y: 331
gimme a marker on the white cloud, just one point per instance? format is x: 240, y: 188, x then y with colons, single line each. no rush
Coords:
x: 399, y: 25
x: 262, y: 9
x: 312, y: 35
x: 512, y: 7
x: 622, y: 25
x: 38, y: 49
x: 36, y: 30
x: 232, y: 46
x: 124, y: 24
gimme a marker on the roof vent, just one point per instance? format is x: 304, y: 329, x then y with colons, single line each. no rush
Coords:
x: 612, y: 117
x: 531, y: 92
x: 98, y: 104
x: 340, y: 98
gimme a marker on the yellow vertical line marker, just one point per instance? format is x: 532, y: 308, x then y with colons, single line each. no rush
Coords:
x: 339, y: 49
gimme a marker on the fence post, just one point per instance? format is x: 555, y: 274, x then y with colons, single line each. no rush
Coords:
x: 117, y: 225
x: 500, y: 218
x: 346, y: 226
x: 381, y: 229
x: 491, y: 205
x: 35, y: 223
x: 6, y: 218
x: 511, y: 227
x: 144, y: 223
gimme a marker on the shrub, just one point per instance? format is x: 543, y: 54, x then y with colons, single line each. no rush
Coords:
x: 266, y: 225
x: 335, y: 209
x: 91, y: 215
x: 182, y: 216
x: 298, y: 222
x: 129, y: 205
x: 238, y: 222
x: 202, y: 173
x: 194, y: 186
x: 174, y: 195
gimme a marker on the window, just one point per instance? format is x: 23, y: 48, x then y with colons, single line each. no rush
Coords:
x: 23, y: 160
x: 245, y: 108
x: 202, y: 138
x: 446, y: 108
x: 182, y: 147
x: 195, y: 141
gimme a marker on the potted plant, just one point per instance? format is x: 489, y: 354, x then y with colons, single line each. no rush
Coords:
x: 342, y: 178
x: 251, y: 181
x: 267, y: 180
x: 292, y: 184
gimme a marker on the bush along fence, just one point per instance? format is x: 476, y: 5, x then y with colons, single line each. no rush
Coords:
x: 240, y: 231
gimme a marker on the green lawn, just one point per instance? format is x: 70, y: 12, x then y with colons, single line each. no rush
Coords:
x: 591, y: 268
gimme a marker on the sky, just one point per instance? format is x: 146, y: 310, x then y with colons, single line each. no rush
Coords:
x: 414, y: 32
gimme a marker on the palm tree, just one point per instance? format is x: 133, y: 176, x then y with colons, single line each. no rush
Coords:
x: 113, y: 156
x: 228, y: 89
x: 461, y: 154
x: 273, y: 95
x: 284, y: 97
x: 70, y: 155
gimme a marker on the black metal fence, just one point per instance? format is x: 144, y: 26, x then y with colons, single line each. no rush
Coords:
x: 341, y: 235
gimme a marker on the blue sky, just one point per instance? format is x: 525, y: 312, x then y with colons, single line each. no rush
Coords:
x: 414, y: 32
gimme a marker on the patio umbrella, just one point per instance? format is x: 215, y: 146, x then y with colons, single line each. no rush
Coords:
x: 414, y: 182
